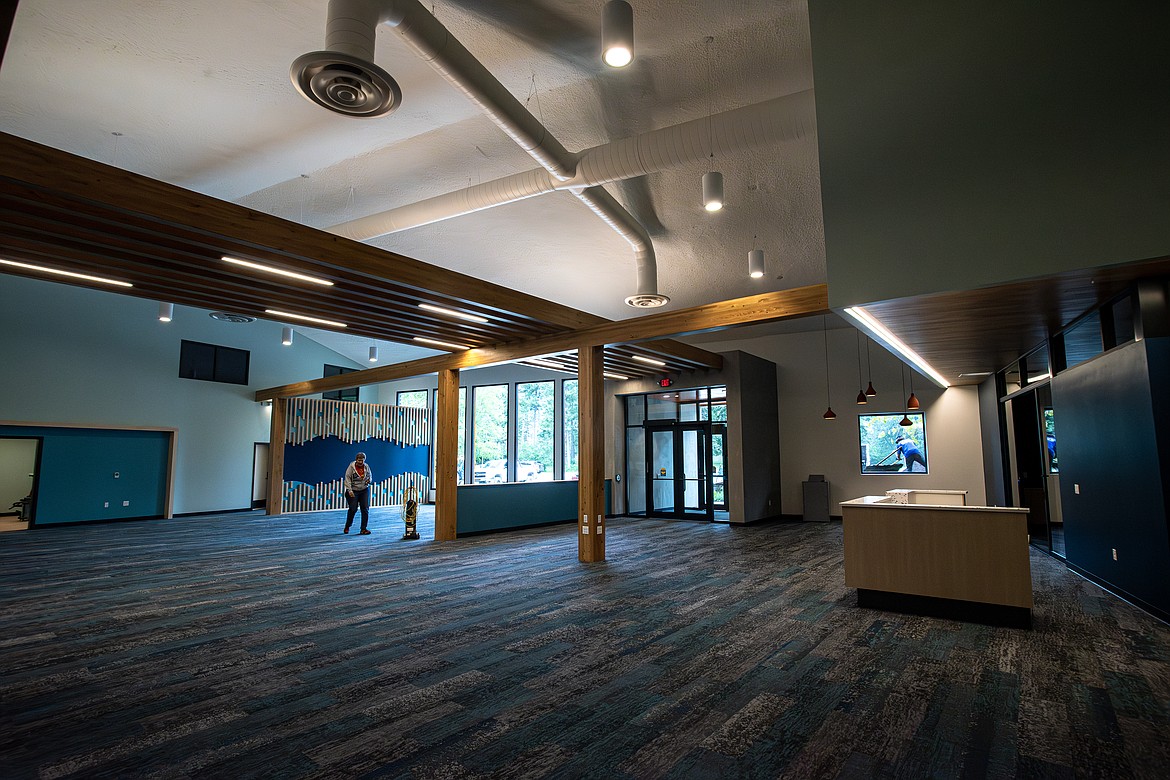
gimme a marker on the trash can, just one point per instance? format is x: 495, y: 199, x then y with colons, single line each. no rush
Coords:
x: 816, y: 499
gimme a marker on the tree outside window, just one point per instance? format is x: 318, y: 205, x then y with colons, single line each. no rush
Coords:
x: 535, y: 427
x: 489, y: 431
x: 569, y: 394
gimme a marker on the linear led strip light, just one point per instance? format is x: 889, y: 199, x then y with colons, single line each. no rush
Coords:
x: 452, y: 313
x: 867, y: 319
x: 278, y: 271
x: 71, y: 274
x: 303, y: 318
x: 437, y: 343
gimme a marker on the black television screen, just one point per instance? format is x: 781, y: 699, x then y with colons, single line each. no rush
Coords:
x: 890, y: 447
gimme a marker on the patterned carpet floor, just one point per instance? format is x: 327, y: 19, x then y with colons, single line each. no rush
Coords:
x: 244, y: 646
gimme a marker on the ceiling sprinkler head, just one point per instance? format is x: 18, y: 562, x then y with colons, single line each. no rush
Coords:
x: 647, y: 300
x: 344, y: 84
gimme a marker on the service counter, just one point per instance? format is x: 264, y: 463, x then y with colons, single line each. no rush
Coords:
x: 965, y: 562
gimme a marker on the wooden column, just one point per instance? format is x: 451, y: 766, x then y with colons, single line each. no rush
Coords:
x: 279, y: 424
x: 590, y: 455
x: 446, y: 453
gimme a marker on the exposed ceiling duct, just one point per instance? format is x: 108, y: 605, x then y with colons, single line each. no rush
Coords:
x: 350, y: 35
x: 781, y: 119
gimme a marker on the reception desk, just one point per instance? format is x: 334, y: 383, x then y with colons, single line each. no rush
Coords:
x: 964, y: 562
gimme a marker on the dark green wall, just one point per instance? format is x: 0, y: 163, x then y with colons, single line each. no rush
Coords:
x: 480, y: 508
x: 963, y: 144
x: 1107, y: 427
x: 76, y: 473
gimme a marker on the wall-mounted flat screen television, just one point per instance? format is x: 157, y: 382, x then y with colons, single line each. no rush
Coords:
x: 890, y: 447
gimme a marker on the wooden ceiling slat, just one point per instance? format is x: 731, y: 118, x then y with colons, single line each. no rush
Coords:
x: 36, y: 176
x: 767, y: 307
x: 70, y: 228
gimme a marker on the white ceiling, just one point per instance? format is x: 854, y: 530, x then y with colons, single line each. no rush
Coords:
x: 200, y: 92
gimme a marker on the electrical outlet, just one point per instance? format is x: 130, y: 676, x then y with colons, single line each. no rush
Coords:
x: 1114, y: 553
x: 125, y: 503
x: 107, y: 505
x: 1077, y: 488
x: 117, y: 475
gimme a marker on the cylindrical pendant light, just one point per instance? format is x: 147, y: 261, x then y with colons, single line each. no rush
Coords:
x: 166, y: 311
x: 373, y: 354
x: 286, y: 336
x: 756, y: 263
x: 617, y: 33
x: 713, y: 191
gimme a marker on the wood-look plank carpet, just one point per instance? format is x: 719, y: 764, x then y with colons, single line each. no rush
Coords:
x: 244, y: 646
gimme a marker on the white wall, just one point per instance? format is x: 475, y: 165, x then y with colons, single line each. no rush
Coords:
x: 89, y: 358
x: 811, y: 445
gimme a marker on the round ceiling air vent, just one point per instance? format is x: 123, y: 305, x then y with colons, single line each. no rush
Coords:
x: 226, y: 316
x: 345, y: 84
x: 647, y: 300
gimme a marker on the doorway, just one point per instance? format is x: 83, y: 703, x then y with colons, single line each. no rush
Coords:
x: 1025, y: 413
x: 260, y: 475
x: 19, y: 459
x: 680, y: 479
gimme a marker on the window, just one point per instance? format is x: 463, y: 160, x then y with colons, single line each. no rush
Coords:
x: 888, y: 447
x: 460, y: 468
x: 535, y: 427
x: 213, y: 363
x: 412, y: 398
x: 489, y: 431
x: 569, y: 422
x: 348, y: 394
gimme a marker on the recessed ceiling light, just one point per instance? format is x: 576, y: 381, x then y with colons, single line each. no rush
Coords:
x: 279, y: 271
x: 70, y: 274
x: 304, y: 318
x: 975, y: 373
x: 438, y: 343
x: 452, y: 313
x: 651, y: 361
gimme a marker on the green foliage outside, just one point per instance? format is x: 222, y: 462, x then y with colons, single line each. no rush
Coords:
x: 490, y: 424
x: 570, y: 427
x: 879, y: 434
x: 534, y: 426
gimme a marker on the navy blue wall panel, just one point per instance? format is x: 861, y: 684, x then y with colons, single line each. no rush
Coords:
x: 516, y: 505
x: 76, y: 476
x: 324, y: 460
x: 1105, y: 422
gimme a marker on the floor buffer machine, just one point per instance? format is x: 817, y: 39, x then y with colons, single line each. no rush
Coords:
x: 410, y: 513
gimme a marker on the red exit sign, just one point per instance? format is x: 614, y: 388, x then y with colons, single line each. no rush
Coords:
x: 665, y: 382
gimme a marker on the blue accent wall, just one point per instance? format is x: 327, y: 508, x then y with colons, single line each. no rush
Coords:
x: 323, y: 460
x: 481, y: 508
x: 76, y: 473
x: 1107, y: 420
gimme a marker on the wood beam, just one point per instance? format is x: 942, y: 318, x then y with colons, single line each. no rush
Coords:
x: 446, y: 454
x: 275, y: 497
x: 590, y: 455
x: 754, y: 309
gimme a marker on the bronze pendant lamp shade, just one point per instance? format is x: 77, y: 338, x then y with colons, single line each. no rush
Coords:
x: 869, y: 391
x: 912, y: 402
x: 905, y: 421
x: 829, y: 413
x: 861, y: 399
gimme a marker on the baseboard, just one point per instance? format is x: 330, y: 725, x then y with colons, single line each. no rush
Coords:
x: 950, y: 609
x: 1120, y: 593
x: 468, y: 534
x: 96, y: 521
x: 215, y: 512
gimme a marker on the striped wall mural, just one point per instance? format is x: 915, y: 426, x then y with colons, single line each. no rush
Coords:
x: 312, y: 418
x: 302, y: 497
x: 322, y: 436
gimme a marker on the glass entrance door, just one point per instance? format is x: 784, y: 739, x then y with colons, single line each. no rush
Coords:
x: 679, y: 483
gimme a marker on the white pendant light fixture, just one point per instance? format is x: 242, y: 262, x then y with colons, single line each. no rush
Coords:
x: 374, y: 354
x: 713, y: 190
x: 617, y: 34
x: 286, y: 336
x: 166, y: 312
x: 712, y: 180
x: 756, y: 263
